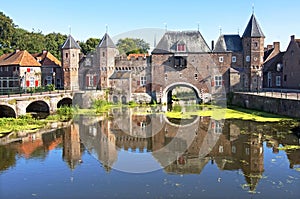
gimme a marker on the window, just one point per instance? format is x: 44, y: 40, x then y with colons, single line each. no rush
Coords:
x: 221, y: 59
x: 48, y: 80
x: 196, y: 76
x: 67, y: 55
x: 218, y: 80
x: 166, y: 76
x: 180, y: 47
x: 6, y: 68
x: 247, y: 58
x: 31, y: 82
x: 218, y: 127
x: 221, y: 149
x: 233, y: 59
x: 180, y: 75
x: 1, y: 69
x: 233, y: 149
x: 255, y: 44
x: 143, y: 81
x: 103, y: 54
x: 247, y: 151
x: 278, y: 80
x: 284, y: 78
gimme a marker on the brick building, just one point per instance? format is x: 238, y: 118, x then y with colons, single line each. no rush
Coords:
x: 181, y: 58
x: 19, y: 70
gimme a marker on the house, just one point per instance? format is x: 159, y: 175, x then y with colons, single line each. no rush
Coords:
x: 19, y: 70
x: 52, y: 72
x: 272, y: 67
x: 291, y: 65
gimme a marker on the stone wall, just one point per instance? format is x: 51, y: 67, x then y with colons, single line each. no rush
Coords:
x: 285, y: 107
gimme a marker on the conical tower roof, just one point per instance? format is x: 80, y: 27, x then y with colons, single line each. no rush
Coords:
x: 106, y: 42
x: 253, y: 29
x: 70, y: 43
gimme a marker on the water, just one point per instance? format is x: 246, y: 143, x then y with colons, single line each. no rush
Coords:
x: 126, y: 155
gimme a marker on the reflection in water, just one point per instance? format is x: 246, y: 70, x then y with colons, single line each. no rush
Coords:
x: 178, y: 149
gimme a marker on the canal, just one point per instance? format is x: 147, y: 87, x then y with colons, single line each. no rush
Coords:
x: 126, y: 154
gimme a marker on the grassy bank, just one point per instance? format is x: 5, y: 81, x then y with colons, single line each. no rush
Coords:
x: 30, y: 124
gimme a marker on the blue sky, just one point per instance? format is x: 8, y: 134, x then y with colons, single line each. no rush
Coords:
x: 278, y: 19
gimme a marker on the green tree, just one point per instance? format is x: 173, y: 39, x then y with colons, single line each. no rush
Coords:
x: 89, y: 45
x: 54, y: 41
x: 7, y: 28
x: 130, y: 45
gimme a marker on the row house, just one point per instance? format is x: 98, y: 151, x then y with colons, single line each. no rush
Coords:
x: 281, y: 69
x: 51, y: 69
x: 19, y: 70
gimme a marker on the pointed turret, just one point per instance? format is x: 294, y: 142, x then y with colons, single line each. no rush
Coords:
x: 106, y: 42
x: 253, y: 48
x: 253, y: 29
x: 70, y: 43
x: 70, y: 62
x: 106, y: 51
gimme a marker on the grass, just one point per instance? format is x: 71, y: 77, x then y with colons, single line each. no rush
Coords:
x: 219, y: 113
x: 8, y: 125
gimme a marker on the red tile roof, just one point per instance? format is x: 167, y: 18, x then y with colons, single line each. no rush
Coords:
x: 47, y: 59
x: 18, y: 58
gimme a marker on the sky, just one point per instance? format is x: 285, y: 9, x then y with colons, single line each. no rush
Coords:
x: 85, y: 19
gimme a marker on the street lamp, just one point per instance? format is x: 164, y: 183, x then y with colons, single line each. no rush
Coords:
x: 53, y: 79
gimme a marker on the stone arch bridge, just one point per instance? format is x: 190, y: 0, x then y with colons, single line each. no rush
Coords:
x: 16, y: 105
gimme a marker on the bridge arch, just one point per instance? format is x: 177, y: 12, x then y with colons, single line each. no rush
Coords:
x: 65, y: 102
x: 38, y: 109
x: 7, y: 111
x: 170, y: 87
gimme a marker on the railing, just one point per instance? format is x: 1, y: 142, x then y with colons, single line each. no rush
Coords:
x: 276, y: 93
x: 33, y: 93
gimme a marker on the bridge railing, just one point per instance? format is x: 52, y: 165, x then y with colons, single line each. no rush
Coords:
x: 33, y: 93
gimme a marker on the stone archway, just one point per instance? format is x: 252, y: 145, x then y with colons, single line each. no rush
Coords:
x: 65, y: 102
x: 38, y: 109
x: 6, y: 111
x: 166, y: 91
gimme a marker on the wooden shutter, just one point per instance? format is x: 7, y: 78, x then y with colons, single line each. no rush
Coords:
x: 95, y: 80
x: 87, y: 81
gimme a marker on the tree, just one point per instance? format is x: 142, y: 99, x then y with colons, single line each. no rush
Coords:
x: 130, y: 45
x: 7, y: 28
x: 89, y: 45
x: 54, y: 41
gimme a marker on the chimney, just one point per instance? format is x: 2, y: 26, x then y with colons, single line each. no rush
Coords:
x: 293, y: 38
x: 269, y: 47
x: 44, y: 51
x: 212, y: 45
x: 17, y: 50
x: 276, y: 46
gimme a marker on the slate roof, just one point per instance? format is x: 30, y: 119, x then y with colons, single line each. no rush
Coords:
x: 120, y: 75
x: 271, y: 65
x: 253, y: 29
x: 70, y: 43
x: 47, y: 59
x: 106, y: 42
x: 229, y: 43
x: 267, y: 53
x: 193, y: 40
x: 18, y: 58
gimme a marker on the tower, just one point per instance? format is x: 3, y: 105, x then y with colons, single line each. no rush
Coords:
x: 70, y: 62
x: 253, y: 46
x: 106, y: 51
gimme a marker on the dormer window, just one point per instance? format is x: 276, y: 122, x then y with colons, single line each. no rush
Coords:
x: 180, y: 47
